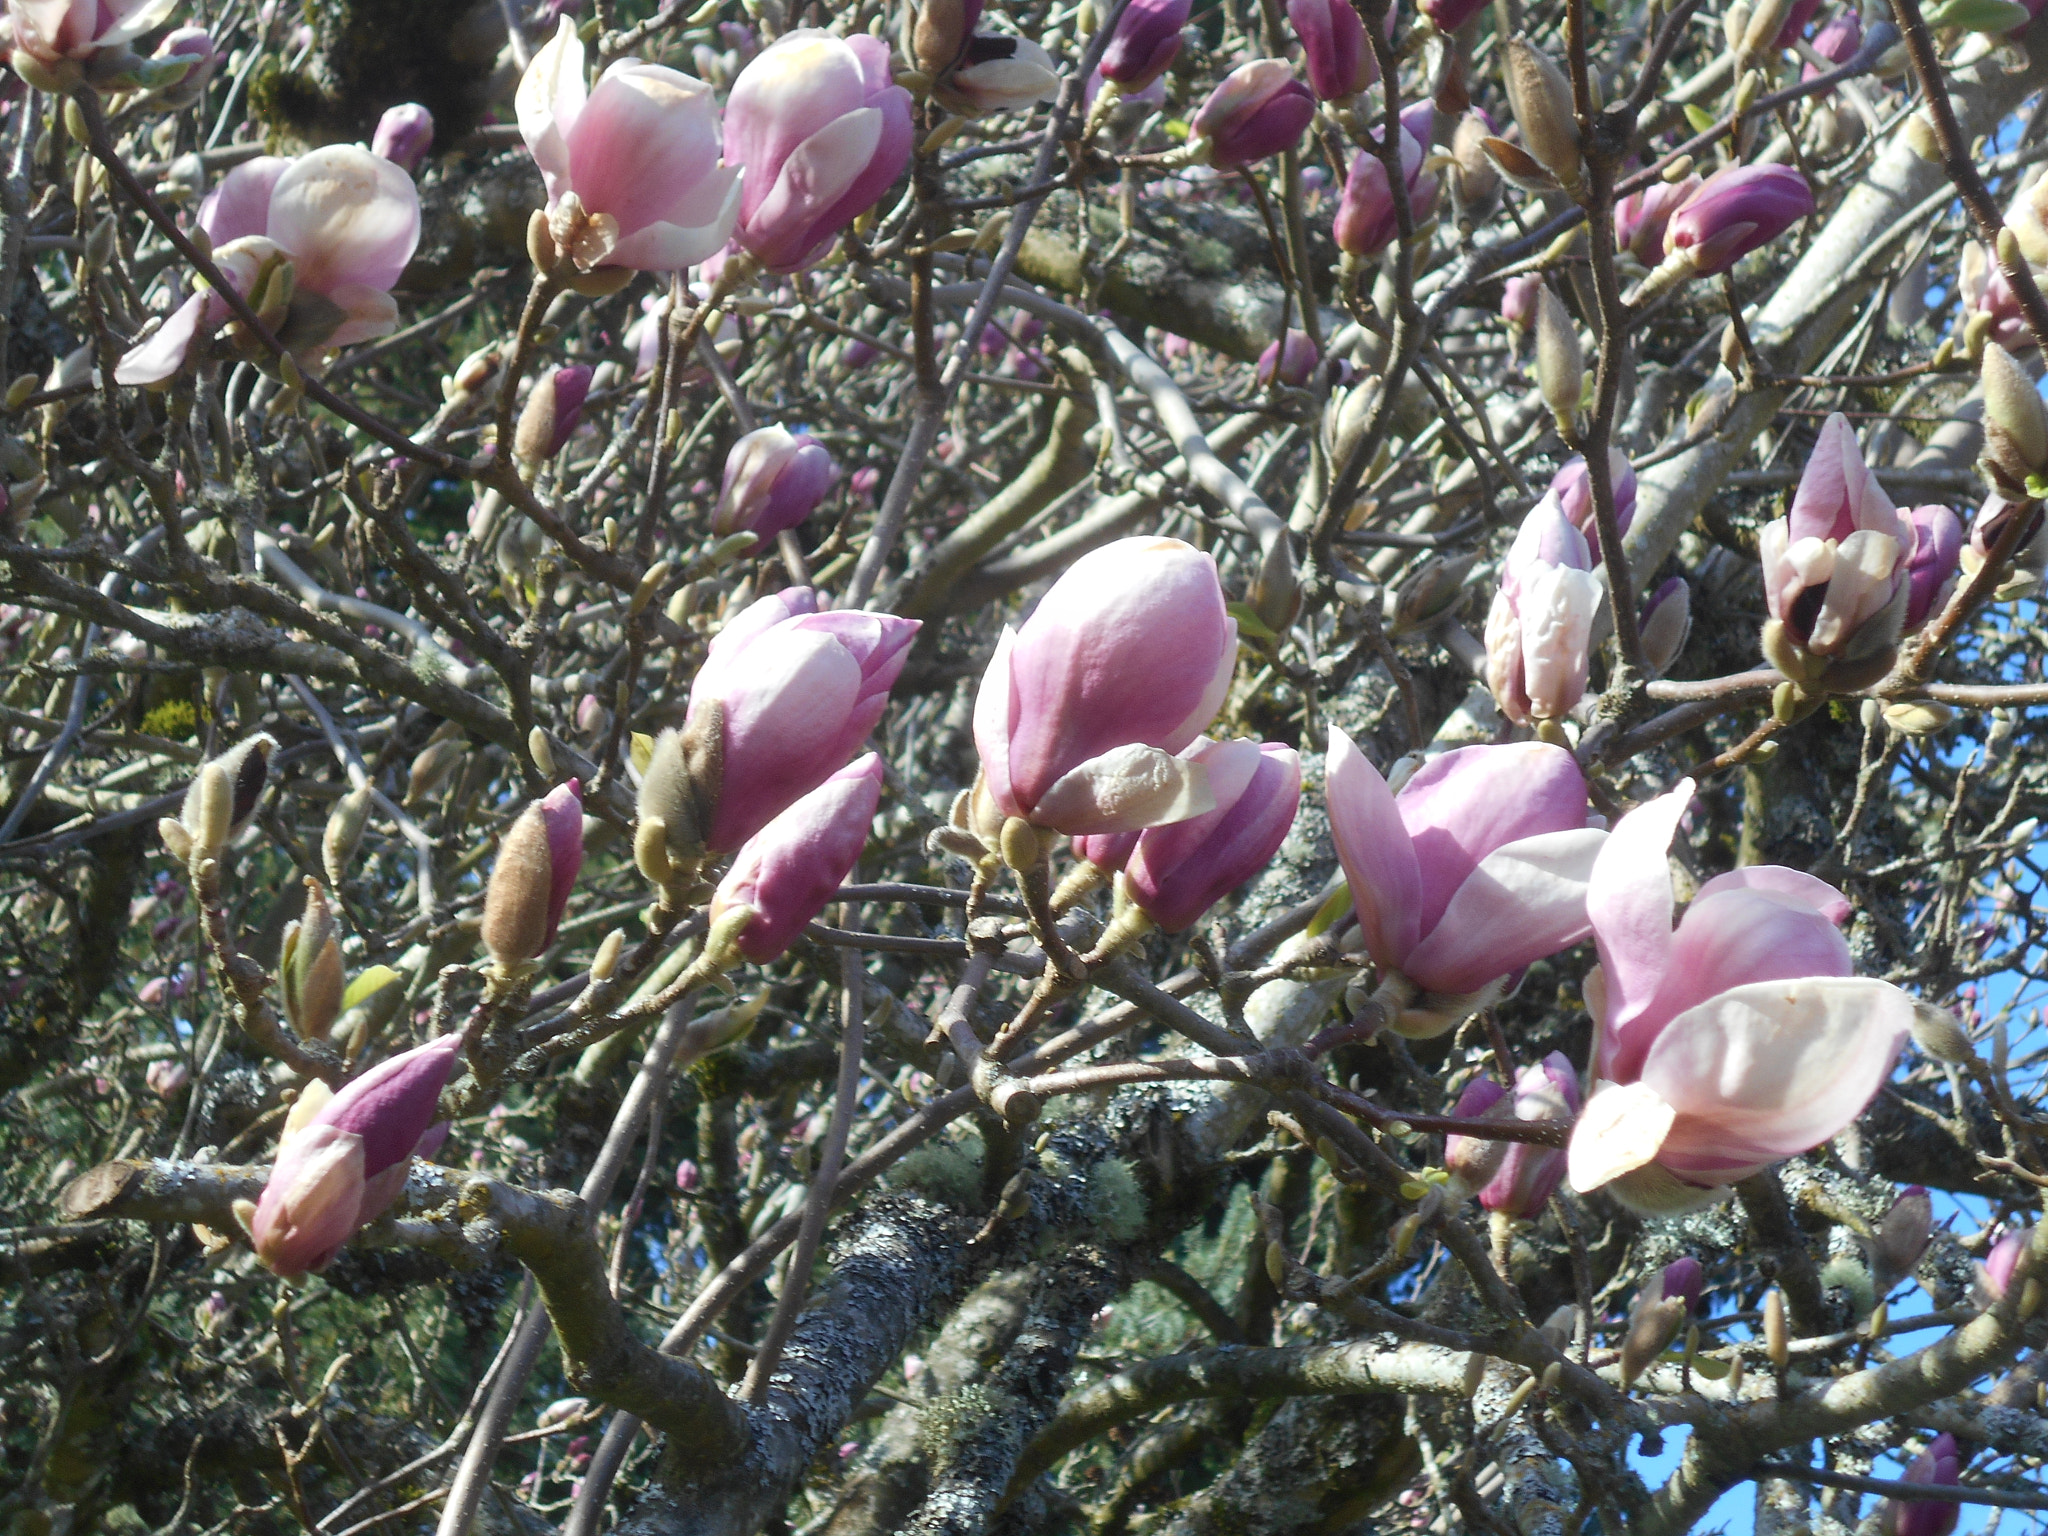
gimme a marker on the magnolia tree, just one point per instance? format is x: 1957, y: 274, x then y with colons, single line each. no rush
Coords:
x: 1091, y: 767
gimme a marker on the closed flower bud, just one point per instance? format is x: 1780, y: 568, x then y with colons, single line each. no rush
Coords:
x: 1941, y: 1035
x: 2015, y: 423
x: 195, y: 48
x: 1474, y: 178
x: 1901, y: 1239
x: 1366, y: 223
x: 553, y: 408
x: 344, y: 1157
x: 1122, y: 664
x: 823, y: 131
x: 1539, y: 630
x: 1541, y: 99
x: 774, y: 479
x: 1640, y: 218
x: 1334, y: 48
x: 1736, y: 211
x: 1429, y: 594
x: 1528, y: 1173
x: 1146, y: 39
x: 1177, y: 872
x: 1661, y: 1309
x: 1519, y: 297
x: 1941, y: 1466
x: 535, y: 872
x: 939, y: 30
x: 1258, y: 110
x: 431, y: 767
x: 1449, y: 15
x: 310, y: 968
x: 344, y: 832
x: 1560, y: 360
x: 785, y: 696
x: 1665, y: 622
x: 1474, y: 1160
x: 1291, y: 363
x: 167, y: 1079
x: 2002, y: 1262
x: 790, y: 868
x: 1933, y: 566
x: 224, y: 795
x: 404, y: 135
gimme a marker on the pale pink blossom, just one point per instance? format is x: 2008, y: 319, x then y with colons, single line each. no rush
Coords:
x: 1539, y: 630
x: 1725, y: 1042
x: 790, y: 868
x: 1835, y: 566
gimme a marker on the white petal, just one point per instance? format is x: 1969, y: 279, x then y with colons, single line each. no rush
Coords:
x: 1125, y: 790
x: 1619, y: 1130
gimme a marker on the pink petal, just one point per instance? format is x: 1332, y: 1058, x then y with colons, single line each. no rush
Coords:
x: 1461, y: 806
x: 1523, y: 902
x: 1375, y: 850
x: 643, y: 145
x: 347, y: 217
x: 1629, y: 902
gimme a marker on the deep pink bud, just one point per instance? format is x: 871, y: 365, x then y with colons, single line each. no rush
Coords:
x: 1932, y: 567
x: 343, y: 1158
x: 1529, y: 1174
x: 774, y: 479
x: 1178, y: 872
x: 823, y: 131
x: 1442, y: 875
x: 1518, y: 297
x: 798, y: 691
x: 1334, y: 49
x: 1736, y: 211
x: 790, y: 868
x: 1941, y: 1466
x: 1682, y: 1281
x: 1573, y: 488
x: 1836, y: 42
x: 1258, y: 110
x: 1124, y: 662
x: 2004, y: 1258
x: 552, y: 413
x: 1366, y: 223
x: 1146, y: 39
x: 404, y: 135
x: 1449, y: 15
x: 1292, y: 363
x: 1641, y: 217
x: 1474, y: 1160
x: 687, y: 1176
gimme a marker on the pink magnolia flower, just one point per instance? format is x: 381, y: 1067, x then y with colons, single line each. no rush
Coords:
x: 1573, y: 487
x: 2003, y: 1260
x: 1727, y: 1042
x: 1334, y: 49
x: 790, y: 868
x: 167, y: 1079
x: 1291, y: 363
x: 48, y: 40
x: 344, y: 1157
x: 1836, y: 42
x: 1641, y: 217
x: 998, y: 73
x: 1940, y: 1465
x: 1477, y: 868
x: 798, y: 691
x: 774, y: 479
x: 631, y: 166
x: 1257, y: 110
x: 194, y: 48
x: 1176, y: 873
x: 155, y: 992
x: 1366, y: 224
x: 822, y: 130
x: 346, y: 220
x: 1539, y: 630
x: 1835, y: 566
x: 404, y: 135
x: 1521, y: 1181
x: 1736, y: 211
x: 1146, y: 39
x: 1124, y: 662
x: 1933, y: 566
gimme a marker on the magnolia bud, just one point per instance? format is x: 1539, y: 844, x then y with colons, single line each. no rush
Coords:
x: 1540, y: 97
x: 1940, y: 1034
x: 2015, y: 422
x: 1560, y: 361
x: 1901, y: 1239
x: 344, y: 832
x: 431, y: 768
x: 536, y: 870
x: 606, y: 959
x: 1431, y: 593
x: 553, y: 409
x: 310, y: 968
x: 224, y: 795
x: 1776, y: 1343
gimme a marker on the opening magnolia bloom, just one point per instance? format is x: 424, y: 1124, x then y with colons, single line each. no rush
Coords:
x: 1727, y: 1042
x: 346, y: 221
x: 1539, y: 630
x: 631, y: 165
x: 1478, y: 867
